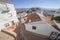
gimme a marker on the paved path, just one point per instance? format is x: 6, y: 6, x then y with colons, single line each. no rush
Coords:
x: 22, y: 34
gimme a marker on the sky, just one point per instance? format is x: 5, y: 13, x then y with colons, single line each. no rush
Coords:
x: 54, y: 4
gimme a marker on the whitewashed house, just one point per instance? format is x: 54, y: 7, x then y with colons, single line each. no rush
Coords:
x: 40, y: 27
x: 21, y: 15
x: 8, y: 18
x: 57, y: 13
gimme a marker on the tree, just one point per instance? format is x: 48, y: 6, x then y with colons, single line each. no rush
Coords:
x: 33, y: 9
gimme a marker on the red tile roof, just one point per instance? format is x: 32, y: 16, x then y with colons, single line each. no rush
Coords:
x: 32, y: 17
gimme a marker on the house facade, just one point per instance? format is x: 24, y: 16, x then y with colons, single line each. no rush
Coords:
x: 39, y: 27
x: 43, y: 27
x: 8, y: 17
x: 57, y: 13
x: 21, y: 14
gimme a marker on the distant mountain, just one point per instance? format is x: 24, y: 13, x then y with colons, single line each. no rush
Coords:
x: 26, y: 9
x: 21, y: 9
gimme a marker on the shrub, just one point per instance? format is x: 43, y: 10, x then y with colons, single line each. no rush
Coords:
x: 57, y: 19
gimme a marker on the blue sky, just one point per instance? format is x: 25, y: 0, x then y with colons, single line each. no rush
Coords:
x: 36, y: 3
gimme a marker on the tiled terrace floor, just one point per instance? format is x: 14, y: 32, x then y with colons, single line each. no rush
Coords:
x: 4, y: 36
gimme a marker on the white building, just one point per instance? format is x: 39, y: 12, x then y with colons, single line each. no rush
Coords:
x: 40, y: 27
x: 7, y: 15
x: 21, y: 14
x: 57, y: 13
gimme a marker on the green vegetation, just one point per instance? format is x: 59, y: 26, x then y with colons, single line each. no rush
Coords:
x: 52, y: 17
x: 57, y: 18
x: 32, y: 10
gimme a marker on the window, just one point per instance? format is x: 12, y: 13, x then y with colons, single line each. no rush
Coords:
x: 34, y: 27
x: 3, y: 7
x: 10, y: 14
x: 24, y: 19
x: 7, y: 24
x: 12, y: 22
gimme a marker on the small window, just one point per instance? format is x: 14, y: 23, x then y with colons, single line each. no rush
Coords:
x: 34, y: 27
x: 12, y: 22
x: 24, y: 19
x: 7, y: 24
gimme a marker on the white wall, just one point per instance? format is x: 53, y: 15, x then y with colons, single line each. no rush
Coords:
x: 41, y: 28
x: 13, y: 12
x: 57, y: 14
x: 23, y: 20
x: 9, y: 16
